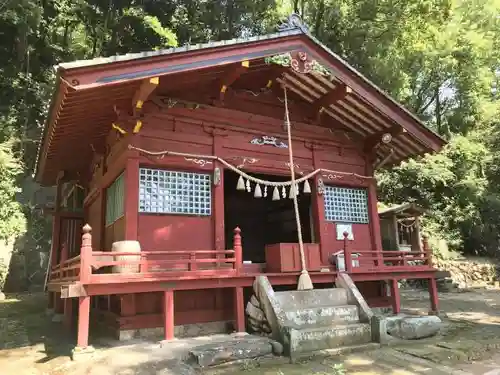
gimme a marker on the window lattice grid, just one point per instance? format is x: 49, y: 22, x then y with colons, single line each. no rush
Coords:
x: 173, y: 192
x: 348, y: 205
x: 115, y: 196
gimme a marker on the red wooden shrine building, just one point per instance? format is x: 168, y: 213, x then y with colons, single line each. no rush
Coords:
x: 185, y: 151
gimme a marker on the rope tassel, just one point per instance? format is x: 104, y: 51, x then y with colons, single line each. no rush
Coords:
x: 276, y: 194
x: 241, y: 184
x: 307, y: 187
x: 258, y: 191
x: 249, y: 188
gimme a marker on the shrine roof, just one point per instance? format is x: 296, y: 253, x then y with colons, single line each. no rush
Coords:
x: 80, y: 113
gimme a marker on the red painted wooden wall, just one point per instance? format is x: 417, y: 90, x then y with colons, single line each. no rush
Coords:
x: 228, y: 134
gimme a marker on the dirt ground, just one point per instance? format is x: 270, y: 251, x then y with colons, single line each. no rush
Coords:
x: 469, y: 344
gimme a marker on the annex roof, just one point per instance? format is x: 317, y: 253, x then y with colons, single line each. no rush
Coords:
x: 87, y: 92
x: 410, y: 209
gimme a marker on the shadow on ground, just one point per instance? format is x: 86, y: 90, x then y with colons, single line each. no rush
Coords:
x: 23, y: 324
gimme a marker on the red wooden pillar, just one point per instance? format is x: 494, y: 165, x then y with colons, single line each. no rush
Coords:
x: 238, y: 250
x: 239, y: 309
x: 86, y: 255
x: 68, y: 313
x: 433, y: 294
x: 83, y: 321
x: 168, y: 314
x: 218, y: 198
x: 347, y: 254
x: 85, y: 275
x: 396, y: 298
x: 375, y: 223
x: 318, y: 205
x: 131, y: 215
x: 131, y: 198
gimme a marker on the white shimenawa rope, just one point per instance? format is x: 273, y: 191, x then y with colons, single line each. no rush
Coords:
x: 305, y: 282
x: 240, y: 172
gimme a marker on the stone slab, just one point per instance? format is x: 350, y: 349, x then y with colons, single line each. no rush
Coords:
x: 218, y: 353
x: 413, y: 327
x: 82, y: 354
x: 271, y: 306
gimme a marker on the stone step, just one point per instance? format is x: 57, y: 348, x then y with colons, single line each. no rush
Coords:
x: 295, y: 299
x: 317, y: 337
x: 323, y: 315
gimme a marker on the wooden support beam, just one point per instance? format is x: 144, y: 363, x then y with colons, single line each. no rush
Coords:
x: 338, y: 93
x: 239, y: 310
x: 433, y: 295
x: 168, y: 314
x: 73, y: 290
x: 144, y: 92
x: 83, y: 322
x: 231, y: 75
x: 396, y: 298
x: 375, y: 139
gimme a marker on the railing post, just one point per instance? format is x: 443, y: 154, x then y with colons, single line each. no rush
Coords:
x: 427, y: 249
x: 192, y: 259
x: 238, y: 250
x: 347, y: 254
x: 86, y: 254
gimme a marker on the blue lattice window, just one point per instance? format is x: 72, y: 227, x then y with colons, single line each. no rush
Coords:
x: 346, y: 205
x: 171, y: 192
x: 115, y: 199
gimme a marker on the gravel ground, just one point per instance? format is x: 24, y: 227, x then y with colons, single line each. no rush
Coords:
x: 469, y: 344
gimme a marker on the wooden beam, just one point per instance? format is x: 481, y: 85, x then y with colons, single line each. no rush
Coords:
x: 231, y: 75
x: 143, y: 93
x: 338, y: 93
x: 72, y: 290
x: 375, y: 139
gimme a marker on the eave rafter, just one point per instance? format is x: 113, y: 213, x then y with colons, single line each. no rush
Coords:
x: 383, y: 136
x: 145, y: 90
x: 230, y: 76
x: 333, y: 96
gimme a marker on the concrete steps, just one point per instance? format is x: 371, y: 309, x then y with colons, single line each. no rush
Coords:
x: 323, y: 315
x: 315, y: 320
x: 316, y: 297
x: 321, y: 319
x: 310, y: 338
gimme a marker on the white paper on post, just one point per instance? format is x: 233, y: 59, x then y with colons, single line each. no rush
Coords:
x: 343, y: 227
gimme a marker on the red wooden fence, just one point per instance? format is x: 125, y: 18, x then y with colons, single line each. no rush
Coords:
x: 192, y: 263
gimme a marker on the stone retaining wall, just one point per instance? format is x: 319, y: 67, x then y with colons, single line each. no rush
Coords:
x: 470, y: 272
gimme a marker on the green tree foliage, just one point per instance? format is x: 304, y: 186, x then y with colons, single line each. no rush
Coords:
x: 438, y: 57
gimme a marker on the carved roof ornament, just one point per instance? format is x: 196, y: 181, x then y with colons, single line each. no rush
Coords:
x: 268, y: 140
x: 300, y: 62
x: 294, y: 21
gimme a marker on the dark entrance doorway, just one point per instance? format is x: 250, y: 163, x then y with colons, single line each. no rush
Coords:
x: 262, y: 220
